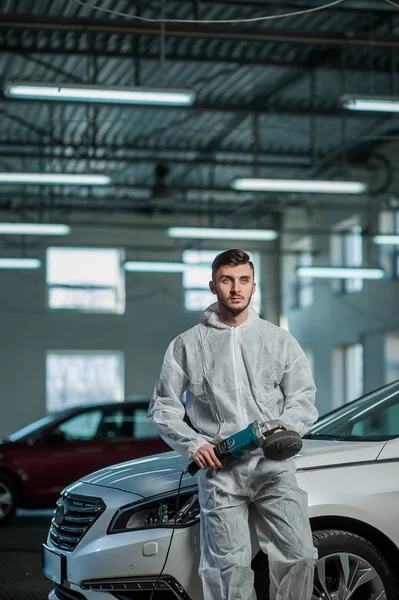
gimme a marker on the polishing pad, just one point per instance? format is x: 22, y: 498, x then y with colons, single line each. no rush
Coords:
x: 281, y: 445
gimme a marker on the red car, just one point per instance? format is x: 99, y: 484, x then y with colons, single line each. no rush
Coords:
x: 38, y: 461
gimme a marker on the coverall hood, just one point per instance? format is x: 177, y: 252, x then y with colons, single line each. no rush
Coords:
x: 210, y: 317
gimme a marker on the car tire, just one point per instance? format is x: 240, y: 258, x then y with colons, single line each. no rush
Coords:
x: 337, y: 551
x: 8, y: 498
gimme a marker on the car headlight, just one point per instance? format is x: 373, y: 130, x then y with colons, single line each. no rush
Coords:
x: 168, y: 511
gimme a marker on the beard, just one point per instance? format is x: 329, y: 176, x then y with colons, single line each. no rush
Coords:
x: 232, y: 309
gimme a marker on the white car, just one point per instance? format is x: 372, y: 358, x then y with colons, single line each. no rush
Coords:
x: 111, y: 530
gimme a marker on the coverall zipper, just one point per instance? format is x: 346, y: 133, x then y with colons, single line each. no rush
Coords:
x: 236, y: 380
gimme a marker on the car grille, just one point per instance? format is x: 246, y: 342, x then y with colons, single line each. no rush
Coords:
x: 139, y: 588
x: 73, y: 517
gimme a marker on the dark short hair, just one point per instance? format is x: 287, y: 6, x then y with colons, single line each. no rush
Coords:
x: 231, y: 258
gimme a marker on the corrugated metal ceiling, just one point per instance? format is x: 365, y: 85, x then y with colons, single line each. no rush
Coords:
x: 273, y: 106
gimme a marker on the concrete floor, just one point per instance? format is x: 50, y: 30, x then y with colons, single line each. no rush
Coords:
x: 20, y: 556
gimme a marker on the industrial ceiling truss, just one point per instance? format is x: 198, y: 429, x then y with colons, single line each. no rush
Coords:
x: 267, y: 103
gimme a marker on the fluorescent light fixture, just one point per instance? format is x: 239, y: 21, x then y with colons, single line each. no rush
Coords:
x: 34, y: 229
x: 98, y: 93
x: 154, y: 267
x: 55, y: 178
x: 340, y: 272
x: 19, y: 263
x: 252, y: 184
x: 386, y: 239
x: 371, y: 103
x: 204, y: 233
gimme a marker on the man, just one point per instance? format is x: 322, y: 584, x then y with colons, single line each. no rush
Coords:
x: 237, y: 368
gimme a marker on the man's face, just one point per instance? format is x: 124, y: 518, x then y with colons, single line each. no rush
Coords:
x: 233, y: 287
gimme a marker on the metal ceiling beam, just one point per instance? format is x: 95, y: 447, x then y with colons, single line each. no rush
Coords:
x: 143, y: 188
x: 43, y: 151
x: 374, y: 6
x: 161, y: 227
x: 174, y: 56
x: 186, y: 30
x: 143, y: 191
x: 151, y: 248
x: 212, y: 203
x: 110, y: 205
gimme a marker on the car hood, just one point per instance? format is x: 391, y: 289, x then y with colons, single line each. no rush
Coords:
x: 160, y: 473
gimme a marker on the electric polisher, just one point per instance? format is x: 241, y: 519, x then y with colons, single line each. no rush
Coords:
x: 276, y: 440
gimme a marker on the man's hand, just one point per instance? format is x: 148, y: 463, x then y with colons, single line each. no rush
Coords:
x: 206, y: 458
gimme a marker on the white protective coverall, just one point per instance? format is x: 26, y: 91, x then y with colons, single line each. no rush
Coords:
x: 233, y: 376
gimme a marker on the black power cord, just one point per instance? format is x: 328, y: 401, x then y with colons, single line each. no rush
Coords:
x: 171, y: 537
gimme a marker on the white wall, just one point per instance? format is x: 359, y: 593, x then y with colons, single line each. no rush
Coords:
x: 28, y: 329
x: 154, y: 316
x: 362, y: 317
x: 333, y: 320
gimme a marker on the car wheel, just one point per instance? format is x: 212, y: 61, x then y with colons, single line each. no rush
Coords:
x: 348, y: 568
x: 8, y: 498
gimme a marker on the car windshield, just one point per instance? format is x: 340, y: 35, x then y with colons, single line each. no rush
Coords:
x: 35, y: 426
x: 374, y: 417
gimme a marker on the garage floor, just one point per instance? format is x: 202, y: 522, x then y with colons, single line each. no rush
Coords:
x: 20, y: 557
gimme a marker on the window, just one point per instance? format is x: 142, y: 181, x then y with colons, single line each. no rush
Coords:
x: 126, y: 422
x: 347, y: 373
x: 347, y: 251
x: 374, y: 417
x: 302, y: 286
x: 74, y: 378
x: 86, y: 279
x: 391, y: 357
x: 197, y: 275
x: 122, y: 422
x: 82, y: 427
x: 384, y: 422
x: 143, y: 428
x: 305, y: 284
x: 389, y: 254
